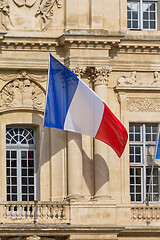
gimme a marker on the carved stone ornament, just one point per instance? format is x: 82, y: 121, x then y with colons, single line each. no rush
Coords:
x: 78, y: 71
x: 5, y: 14
x: 143, y: 105
x: 23, y: 74
x: 128, y: 80
x: 27, y: 3
x: 98, y: 76
x: 156, y: 81
x: 22, y: 93
x: 34, y: 237
x: 45, y: 12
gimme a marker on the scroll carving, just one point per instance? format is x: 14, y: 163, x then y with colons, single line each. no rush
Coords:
x: 143, y: 105
x: 45, y: 12
x: 22, y: 93
x: 128, y: 80
x: 5, y: 14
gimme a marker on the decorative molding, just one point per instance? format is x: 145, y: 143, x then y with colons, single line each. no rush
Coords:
x: 145, y: 213
x: 45, y: 12
x: 22, y: 75
x: 141, y: 48
x: 78, y: 71
x: 27, y: 46
x: 22, y: 93
x: 98, y: 76
x: 143, y: 105
x: 128, y: 80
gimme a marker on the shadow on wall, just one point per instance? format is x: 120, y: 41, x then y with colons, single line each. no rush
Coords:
x: 101, y: 172
x: 55, y: 142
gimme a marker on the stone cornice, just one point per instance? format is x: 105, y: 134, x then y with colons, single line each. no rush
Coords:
x: 28, y: 44
x: 96, y: 41
x: 142, y: 46
x: 142, y: 88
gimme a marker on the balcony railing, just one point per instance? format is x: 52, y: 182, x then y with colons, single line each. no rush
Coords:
x: 39, y: 212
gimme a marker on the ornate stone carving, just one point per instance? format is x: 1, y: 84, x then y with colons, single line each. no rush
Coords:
x: 145, y: 213
x: 27, y: 3
x: 45, y: 12
x: 78, y: 71
x: 128, y: 80
x: 98, y: 76
x: 23, y: 74
x: 22, y: 93
x: 143, y: 105
x: 34, y: 237
x: 156, y: 80
x: 5, y: 14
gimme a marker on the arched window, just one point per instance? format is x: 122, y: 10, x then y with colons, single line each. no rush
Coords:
x: 20, y: 162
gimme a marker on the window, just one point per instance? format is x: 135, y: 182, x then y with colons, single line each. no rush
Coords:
x: 142, y: 139
x: 20, y: 163
x: 142, y: 14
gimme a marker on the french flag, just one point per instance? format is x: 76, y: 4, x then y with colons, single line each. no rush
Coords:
x: 71, y: 105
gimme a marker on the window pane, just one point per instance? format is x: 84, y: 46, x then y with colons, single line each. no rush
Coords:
x: 138, y: 189
x: 152, y: 7
x: 148, y: 137
x: 135, y: 24
x: 128, y: 15
x: 24, y: 189
x: 24, y: 172
x: 152, y: 25
x: 131, y: 137
x: 135, y: 15
x: 138, y: 197
x: 14, y: 180
x: 134, y: 6
x: 31, y: 180
x: 13, y: 154
x: 131, y: 188
x: 145, y: 24
x: 137, y: 137
x: 145, y: 16
x: 152, y: 15
x: 31, y: 197
x: 145, y: 6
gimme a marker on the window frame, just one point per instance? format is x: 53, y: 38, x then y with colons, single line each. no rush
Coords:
x: 140, y: 15
x: 19, y: 148
x: 143, y: 165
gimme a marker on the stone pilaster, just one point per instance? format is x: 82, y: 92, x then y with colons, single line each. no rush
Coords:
x: 74, y: 166
x: 75, y: 170
x: 57, y: 164
x: 99, y: 80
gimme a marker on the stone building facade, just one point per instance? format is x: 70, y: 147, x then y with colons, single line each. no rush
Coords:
x: 84, y: 191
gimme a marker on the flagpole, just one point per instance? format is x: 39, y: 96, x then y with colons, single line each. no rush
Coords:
x: 152, y: 169
x: 40, y: 158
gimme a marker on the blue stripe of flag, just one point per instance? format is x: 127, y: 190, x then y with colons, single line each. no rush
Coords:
x: 62, y: 85
x: 158, y: 147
